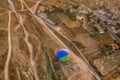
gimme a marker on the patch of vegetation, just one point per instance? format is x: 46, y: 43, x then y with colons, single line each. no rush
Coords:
x: 118, y: 25
x: 76, y: 6
x: 107, y: 47
x: 58, y: 9
x: 105, y: 29
x: 95, y: 36
x: 106, y: 38
x: 118, y: 35
x: 49, y: 67
x: 98, y: 20
x: 78, y: 44
x: 71, y: 16
x: 51, y: 73
x: 53, y: 16
x: 89, y: 16
x: 95, y: 68
x: 96, y: 30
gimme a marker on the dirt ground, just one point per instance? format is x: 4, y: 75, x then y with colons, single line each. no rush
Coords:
x: 91, y: 45
x: 3, y: 21
x: 76, y: 69
x: 3, y: 51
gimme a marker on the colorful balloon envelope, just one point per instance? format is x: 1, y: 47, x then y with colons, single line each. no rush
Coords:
x: 63, y: 55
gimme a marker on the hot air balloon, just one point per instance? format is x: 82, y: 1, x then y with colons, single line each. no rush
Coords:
x: 63, y: 55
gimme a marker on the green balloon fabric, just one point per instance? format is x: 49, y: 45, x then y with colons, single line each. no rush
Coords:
x: 63, y: 55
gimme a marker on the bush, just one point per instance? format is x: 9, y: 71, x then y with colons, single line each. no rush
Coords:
x: 117, y: 42
x: 118, y: 35
x: 76, y: 6
x: 118, y: 24
x: 109, y: 47
x: 96, y: 30
x: 71, y: 16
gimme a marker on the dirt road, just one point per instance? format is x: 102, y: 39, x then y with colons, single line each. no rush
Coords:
x: 30, y: 48
x: 6, y: 68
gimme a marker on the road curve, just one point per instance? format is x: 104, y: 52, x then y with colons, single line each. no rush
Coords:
x: 6, y: 68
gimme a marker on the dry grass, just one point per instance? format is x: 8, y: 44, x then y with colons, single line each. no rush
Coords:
x: 68, y: 22
x: 55, y: 2
x: 3, y: 51
x: 4, y: 21
x: 2, y: 11
x: 86, y: 40
x: 89, y: 3
x: 3, y: 4
x: 106, y: 39
x: 30, y: 3
x: 17, y: 4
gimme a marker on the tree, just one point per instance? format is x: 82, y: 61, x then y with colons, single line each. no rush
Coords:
x: 118, y: 25
x: 76, y: 6
x: 117, y: 42
x: 107, y: 47
x: 118, y: 34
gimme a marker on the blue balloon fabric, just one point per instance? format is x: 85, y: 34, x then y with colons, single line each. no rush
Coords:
x: 63, y: 55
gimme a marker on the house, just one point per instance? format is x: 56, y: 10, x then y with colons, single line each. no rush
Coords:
x: 80, y: 17
x: 114, y: 30
x: 100, y: 16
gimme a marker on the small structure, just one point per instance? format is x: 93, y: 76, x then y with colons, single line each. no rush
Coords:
x: 114, y: 30
x: 100, y: 16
